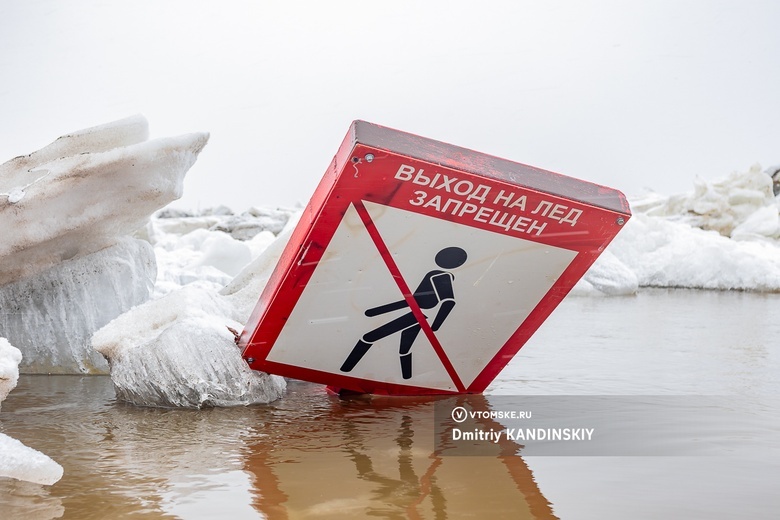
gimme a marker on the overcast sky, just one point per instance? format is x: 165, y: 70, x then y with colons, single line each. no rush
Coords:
x: 629, y: 94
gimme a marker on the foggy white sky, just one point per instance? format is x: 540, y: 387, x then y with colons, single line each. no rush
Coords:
x: 627, y: 94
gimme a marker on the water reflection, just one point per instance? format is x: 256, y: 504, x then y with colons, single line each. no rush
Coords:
x: 121, y: 459
x: 309, y: 455
x: 365, y: 457
x: 29, y: 501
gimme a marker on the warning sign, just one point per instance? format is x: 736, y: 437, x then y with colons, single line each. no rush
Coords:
x: 408, y: 276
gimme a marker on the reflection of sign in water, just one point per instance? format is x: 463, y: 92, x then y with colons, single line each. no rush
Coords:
x: 364, y: 459
x: 435, y: 291
x: 358, y: 284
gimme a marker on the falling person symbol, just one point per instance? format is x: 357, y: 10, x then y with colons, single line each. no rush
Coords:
x: 435, y: 289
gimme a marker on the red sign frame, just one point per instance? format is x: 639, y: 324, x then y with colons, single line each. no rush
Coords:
x: 382, y: 166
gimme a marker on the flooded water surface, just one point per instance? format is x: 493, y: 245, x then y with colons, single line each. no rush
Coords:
x: 315, y: 455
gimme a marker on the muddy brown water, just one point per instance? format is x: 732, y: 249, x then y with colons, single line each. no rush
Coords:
x: 314, y: 455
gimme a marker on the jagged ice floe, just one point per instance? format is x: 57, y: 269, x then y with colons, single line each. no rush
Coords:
x: 17, y: 460
x: 179, y: 350
x: 67, y: 264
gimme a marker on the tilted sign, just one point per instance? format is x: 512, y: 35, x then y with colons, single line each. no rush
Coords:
x: 420, y: 267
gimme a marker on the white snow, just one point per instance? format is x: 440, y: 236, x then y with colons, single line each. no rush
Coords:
x: 721, y: 205
x: 725, y: 234
x: 210, y: 248
x: 67, y: 262
x: 665, y: 253
x: 17, y: 460
x: 201, y: 254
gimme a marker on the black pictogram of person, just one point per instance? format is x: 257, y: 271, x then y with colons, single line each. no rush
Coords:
x: 435, y: 289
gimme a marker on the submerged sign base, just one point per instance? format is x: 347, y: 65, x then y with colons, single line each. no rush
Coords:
x: 420, y: 267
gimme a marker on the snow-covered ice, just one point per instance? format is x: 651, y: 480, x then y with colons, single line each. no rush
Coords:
x: 67, y: 264
x: 725, y: 234
x: 741, y: 204
x: 24, y: 463
x: 85, y: 190
x: 667, y: 253
x: 17, y: 460
x: 194, y: 247
x: 179, y: 350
